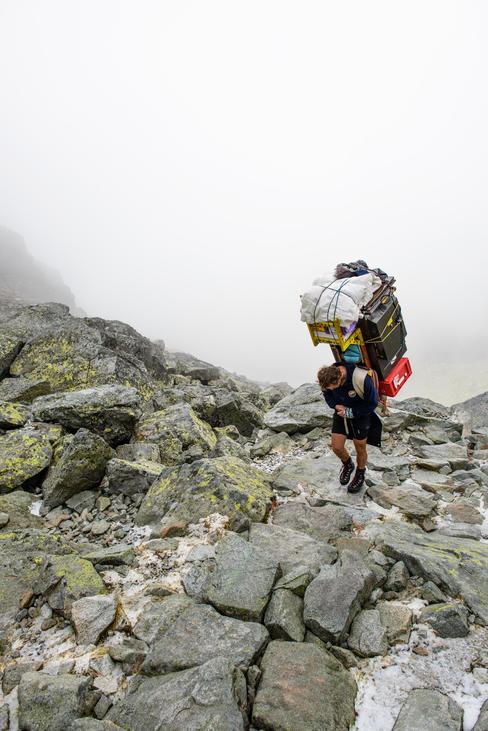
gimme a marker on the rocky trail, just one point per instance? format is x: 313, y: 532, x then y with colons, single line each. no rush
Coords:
x: 177, y: 552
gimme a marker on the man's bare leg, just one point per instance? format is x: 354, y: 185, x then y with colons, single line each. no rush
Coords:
x: 361, y: 453
x: 338, y: 444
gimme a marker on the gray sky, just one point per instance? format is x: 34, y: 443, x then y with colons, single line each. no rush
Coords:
x: 191, y: 167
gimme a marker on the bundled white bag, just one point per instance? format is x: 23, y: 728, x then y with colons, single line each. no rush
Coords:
x: 338, y: 299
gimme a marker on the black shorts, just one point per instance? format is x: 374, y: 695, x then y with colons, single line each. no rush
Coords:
x: 356, y: 428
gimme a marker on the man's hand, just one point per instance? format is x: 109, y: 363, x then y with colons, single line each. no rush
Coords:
x: 340, y: 410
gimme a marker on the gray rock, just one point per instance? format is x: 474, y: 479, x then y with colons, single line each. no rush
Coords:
x: 84, y: 500
x: 225, y: 485
x: 463, y: 511
x: 448, y: 619
x: 4, y: 519
x: 52, y: 703
x: 91, y: 616
x: 425, y: 708
x: 235, y: 408
x: 80, y: 466
x: 13, y: 673
x: 397, y: 621
x: 458, y: 566
x: 24, y: 454
x: 175, y: 430
x: 303, y: 687
x: 284, y: 616
x: 120, y: 554
x: 482, y: 722
x: 475, y: 408
x: 72, y: 356
x: 412, y: 501
x: 334, y: 597
x: 159, y: 615
x: 302, y: 411
x: 200, y: 634
x: 323, y: 524
x: 279, y: 443
x: 432, y: 594
x: 21, y: 389
x: 99, y: 527
x: 210, y: 696
x: 130, y: 652
x: 108, y: 410
x: 290, y: 548
x: 137, y: 451
x: 424, y: 407
x: 454, y: 455
x: 128, y: 478
x: 368, y: 637
x: 92, y: 724
x: 397, y: 577
x: 241, y: 583
x: 4, y: 717
x: 13, y: 416
x: 461, y: 530
x: 188, y: 365
x: 296, y: 580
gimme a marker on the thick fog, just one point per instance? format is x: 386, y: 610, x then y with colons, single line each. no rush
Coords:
x: 191, y: 167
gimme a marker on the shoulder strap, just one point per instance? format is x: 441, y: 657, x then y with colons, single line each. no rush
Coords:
x: 359, y: 377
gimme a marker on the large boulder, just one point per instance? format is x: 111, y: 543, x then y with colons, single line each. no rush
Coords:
x: 451, y: 454
x: 475, y: 408
x: 66, y: 579
x: 209, y: 696
x: 335, y: 596
x: 323, y: 523
x: 51, y: 703
x: 122, y: 338
x: 176, y: 430
x: 291, y: 549
x: 17, y: 505
x: 127, y: 478
x: 26, y: 322
x: 303, y: 687
x: 241, y: 582
x: 71, y: 356
x: 459, y: 566
x: 409, y: 498
x: 199, y: 634
x: 368, y: 636
x: 187, y: 365
x: 80, y: 466
x: 225, y: 485
x: 427, y: 708
x: 234, y: 408
x: 91, y: 615
x: 301, y: 411
x: 24, y: 454
x: 21, y: 389
x: 109, y: 410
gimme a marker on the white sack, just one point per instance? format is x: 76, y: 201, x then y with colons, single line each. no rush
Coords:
x: 338, y: 299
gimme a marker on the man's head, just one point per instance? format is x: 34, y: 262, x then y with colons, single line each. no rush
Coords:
x: 330, y: 377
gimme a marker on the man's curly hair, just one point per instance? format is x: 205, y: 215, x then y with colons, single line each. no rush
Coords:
x: 328, y: 376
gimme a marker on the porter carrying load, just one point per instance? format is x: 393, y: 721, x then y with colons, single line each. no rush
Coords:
x: 358, y: 314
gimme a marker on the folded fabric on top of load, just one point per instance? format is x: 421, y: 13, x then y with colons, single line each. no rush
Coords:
x: 338, y: 299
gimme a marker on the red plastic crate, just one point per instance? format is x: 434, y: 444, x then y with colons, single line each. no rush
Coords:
x: 396, y: 378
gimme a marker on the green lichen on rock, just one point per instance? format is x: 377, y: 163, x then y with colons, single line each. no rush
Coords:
x: 79, y: 465
x: 12, y: 415
x: 175, y: 430
x: 24, y: 453
x: 22, y: 389
x: 79, y: 578
x: 9, y: 347
x: 110, y: 410
x: 72, y: 357
x: 225, y: 485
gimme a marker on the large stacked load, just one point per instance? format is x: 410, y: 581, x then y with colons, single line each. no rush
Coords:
x: 357, y: 313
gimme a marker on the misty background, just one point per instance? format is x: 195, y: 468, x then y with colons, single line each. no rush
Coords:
x: 190, y: 168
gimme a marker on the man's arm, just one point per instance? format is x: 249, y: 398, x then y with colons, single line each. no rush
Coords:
x: 330, y: 398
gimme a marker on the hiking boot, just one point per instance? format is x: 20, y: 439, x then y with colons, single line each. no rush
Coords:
x: 346, y: 472
x: 357, y: 481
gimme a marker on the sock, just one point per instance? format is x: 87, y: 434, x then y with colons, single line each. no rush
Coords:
x: 344, y: 462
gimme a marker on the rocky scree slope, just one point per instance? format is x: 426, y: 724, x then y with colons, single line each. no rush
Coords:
x: 177, y: 553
